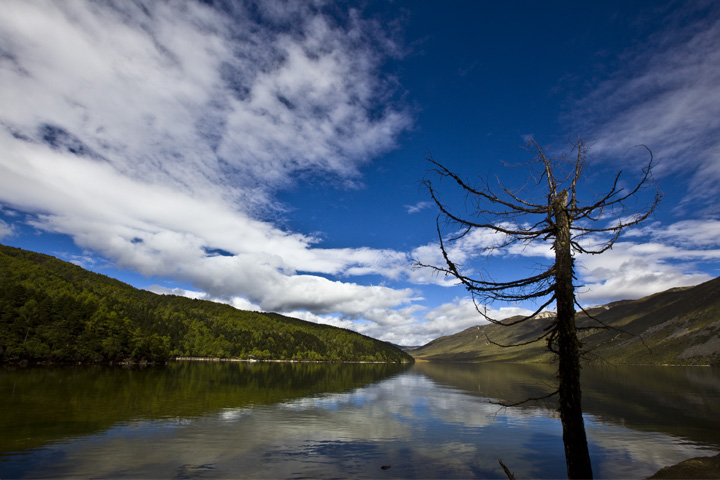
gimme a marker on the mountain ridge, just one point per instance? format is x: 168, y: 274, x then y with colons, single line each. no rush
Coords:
x: 52, y: 311
x: 679, y: 326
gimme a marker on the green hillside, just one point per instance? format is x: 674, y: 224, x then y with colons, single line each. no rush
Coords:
x: 54, y: 311
x: 677, y: 327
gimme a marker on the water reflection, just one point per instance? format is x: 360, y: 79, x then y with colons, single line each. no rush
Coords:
x: 54, y: 402
x: 682, y: 401
x: 430, y: 421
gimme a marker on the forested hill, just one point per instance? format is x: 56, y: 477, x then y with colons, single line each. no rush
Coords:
x: 677, y: 327
x: 54, y: 311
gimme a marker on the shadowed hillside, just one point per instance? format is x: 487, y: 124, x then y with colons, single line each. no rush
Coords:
x: 54, y: 311
x: 680, y: 326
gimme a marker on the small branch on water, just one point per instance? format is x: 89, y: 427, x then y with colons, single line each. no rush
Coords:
x: 507, y: 470
x: 532, y: 399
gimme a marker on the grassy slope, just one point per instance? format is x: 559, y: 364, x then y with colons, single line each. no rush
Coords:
x: 679, y: 326
x: 54, y: 310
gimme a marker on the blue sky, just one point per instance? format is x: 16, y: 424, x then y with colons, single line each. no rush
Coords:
x: 270, y: 154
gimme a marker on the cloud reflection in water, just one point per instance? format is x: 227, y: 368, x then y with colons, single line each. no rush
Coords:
x: 409, y: 422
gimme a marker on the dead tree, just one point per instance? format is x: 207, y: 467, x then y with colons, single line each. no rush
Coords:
x: 570, y: 228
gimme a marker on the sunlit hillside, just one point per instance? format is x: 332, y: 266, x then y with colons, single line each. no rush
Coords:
x: 54, y: 311
x: 678, y: 327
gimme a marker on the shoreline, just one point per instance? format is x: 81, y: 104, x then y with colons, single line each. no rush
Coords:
x: 257, y: 360
x: 696, y: 467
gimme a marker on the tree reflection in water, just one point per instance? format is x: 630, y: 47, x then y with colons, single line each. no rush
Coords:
x: 327, y: 421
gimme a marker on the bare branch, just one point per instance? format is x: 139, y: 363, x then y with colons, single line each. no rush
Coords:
x: 606, y: 201
x: 507, y: 471
x: 525, y: 233
x: 552, y: 184
x: 579, y: 163
x: 494, y: 199
x: 520, y: 344
x: 527, y: 400
x: 605, y: 326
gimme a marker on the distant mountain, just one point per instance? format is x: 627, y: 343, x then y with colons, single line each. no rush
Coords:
x: 678, y: 327
x: 54, y: 311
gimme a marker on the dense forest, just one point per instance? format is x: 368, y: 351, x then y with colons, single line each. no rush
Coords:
x: 54, y: 311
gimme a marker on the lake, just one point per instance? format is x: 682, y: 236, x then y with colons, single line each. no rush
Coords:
x: 281, y: 420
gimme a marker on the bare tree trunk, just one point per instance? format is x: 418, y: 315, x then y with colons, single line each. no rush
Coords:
x: 555, y: 218
x: 577, y: 457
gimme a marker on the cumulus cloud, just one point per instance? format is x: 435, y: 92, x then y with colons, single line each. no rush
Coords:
x: 634, y: 278
x: 463, y: 313
x: 445, y: 319
x: 660, y: 258
x: 156, y: 134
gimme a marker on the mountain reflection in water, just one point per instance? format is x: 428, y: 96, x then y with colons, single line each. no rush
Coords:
x: 234, y: 420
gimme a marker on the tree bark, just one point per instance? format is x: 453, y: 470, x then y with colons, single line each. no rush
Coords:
x: 577, y: 457
x: 552, y: 217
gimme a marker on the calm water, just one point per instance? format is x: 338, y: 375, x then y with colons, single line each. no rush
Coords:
x: 231, y: 420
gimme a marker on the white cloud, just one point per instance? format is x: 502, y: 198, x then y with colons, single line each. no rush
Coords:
x: 450, y: 318
x: 181, y: 292
x: 697, y: 233
x: 462, y: 313
x: 243, y: 304
x: 178, y: 96
x: 668, y: 98
x: 418, y: 207
x: 6, y: 230
x: 633, y: 270
x: 403, y: 327
x: 463, y: 252
x: 658, y: 258
x: 155, y: 134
